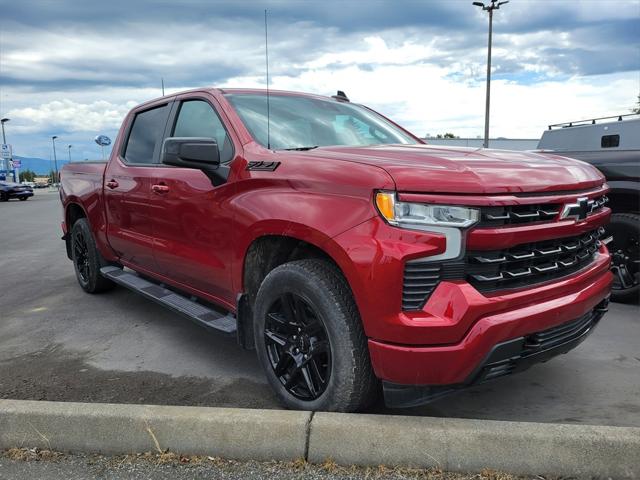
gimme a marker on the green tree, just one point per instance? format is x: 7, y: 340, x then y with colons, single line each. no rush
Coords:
x: 636, y: 109
x: 447, y: 135
x: 27, y: 175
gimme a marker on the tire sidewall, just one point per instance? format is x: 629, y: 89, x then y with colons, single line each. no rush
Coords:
x: 291, y: 278
x: 82, y: 226
x: 631, y: 223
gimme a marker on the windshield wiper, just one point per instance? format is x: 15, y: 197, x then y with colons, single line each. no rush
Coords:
x: 301, y: 149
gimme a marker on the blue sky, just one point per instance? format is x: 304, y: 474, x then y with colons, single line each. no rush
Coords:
x: 74, y: 68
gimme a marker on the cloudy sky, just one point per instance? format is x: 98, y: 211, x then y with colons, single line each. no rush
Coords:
x: 74, y: 68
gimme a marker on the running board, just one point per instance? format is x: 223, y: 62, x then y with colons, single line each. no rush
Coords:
x: 194, y: 311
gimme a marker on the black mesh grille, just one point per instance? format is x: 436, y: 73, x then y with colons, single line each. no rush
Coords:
x: 523, y: 214
x: 532, y: 263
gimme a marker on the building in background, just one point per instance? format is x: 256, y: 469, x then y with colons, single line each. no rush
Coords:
x: 500, y: 143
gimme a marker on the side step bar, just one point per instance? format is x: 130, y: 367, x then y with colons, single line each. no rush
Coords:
x: 194, y: 311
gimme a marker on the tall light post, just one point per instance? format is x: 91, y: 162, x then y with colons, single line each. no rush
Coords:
x: 4, y: 141
x: 69, y: 147
x: 495, y: 5
x: 55, y: 160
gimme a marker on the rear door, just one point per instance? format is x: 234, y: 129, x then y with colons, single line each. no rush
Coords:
x: 127, y: 188
x: 192, y: 221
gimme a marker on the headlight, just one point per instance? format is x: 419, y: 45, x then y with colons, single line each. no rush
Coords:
x: 421, y: 216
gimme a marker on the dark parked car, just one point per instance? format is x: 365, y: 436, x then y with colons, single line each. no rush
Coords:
x: 9, y: 190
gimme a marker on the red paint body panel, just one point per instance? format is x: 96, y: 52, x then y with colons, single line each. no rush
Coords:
x: 195, y: 236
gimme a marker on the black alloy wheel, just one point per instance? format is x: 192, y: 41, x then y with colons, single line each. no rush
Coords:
x: 81, y: 256
x: 87, y: 260
x: 310, y: 341
x: 625, y: 256
x: 298, y: 347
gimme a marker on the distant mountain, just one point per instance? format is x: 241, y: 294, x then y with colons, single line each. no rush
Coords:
x: 39, y: 165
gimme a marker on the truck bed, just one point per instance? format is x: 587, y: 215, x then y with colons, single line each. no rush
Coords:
x: 82, y: 178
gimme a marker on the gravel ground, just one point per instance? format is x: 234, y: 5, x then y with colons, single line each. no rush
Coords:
x: 45, y: 465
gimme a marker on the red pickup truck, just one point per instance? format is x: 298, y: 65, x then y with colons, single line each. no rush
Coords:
x: 350, y: 254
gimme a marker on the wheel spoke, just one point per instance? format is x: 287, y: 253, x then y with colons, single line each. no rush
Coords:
x: 316, y: 372
x: 281, y: 322
x: 309, y: 381
x: 276, y: 337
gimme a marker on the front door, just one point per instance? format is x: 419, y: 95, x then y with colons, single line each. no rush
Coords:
x: 191, y: 219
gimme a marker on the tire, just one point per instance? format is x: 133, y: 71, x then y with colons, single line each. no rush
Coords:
x: 625, y: 256
x: 4, y: 197
x: 331, y: 345
x: 87, y: 260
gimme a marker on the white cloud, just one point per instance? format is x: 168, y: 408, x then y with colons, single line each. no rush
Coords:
x: 70, y: 116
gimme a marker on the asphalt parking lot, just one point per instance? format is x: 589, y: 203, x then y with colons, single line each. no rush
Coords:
x: 58, y: 343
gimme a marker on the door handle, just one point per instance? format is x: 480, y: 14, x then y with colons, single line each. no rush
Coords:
x: 112, y: 184
x: 160, y: 188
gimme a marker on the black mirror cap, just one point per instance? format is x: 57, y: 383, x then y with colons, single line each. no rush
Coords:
x: 191, y: 152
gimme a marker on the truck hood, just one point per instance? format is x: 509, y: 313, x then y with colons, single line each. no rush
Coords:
x: 423, y: 168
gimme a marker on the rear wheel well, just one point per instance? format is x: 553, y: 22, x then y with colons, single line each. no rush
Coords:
x: 73, y: 214
x: 263, y: 255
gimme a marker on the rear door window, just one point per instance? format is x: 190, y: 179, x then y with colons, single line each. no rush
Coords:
x: 145, y: 138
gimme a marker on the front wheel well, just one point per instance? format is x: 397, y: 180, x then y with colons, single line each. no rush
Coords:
x: 263, y: 255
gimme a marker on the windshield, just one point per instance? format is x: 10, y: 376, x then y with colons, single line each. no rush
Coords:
x: 298, y: 122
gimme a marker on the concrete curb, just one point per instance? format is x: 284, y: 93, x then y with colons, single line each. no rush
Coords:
x: 450, y: 444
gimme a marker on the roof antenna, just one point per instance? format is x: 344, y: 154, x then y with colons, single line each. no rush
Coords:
x: 266, y: 56
x: 162, y: 81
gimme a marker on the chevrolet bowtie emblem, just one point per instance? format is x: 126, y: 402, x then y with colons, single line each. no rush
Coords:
x: 578, y: 210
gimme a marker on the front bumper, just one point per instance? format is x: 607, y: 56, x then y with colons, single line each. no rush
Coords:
x: 505, y: 358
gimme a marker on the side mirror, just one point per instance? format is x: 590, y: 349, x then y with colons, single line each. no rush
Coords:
x: 198, y: 153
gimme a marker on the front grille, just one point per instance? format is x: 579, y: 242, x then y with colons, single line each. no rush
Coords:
x: 531, y: 263
x: 516, y: 267
x: 525, y: 214
x: 493, y: 270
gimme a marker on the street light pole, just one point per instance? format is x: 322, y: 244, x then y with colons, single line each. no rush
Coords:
x: 55, y: 159
x: 4, y: 142
x: 490, y: 9
x: 69, y: 147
